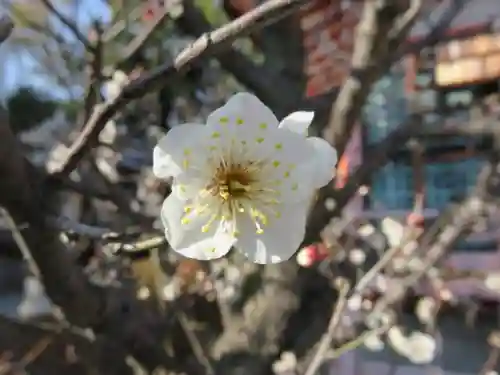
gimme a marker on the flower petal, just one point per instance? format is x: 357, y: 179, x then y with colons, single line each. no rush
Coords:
x: 242, y: 110
x: 187, y: 238
x: 298, y: 122
x: 243, y: 120
x: 281, y: 237
x: 325, y: 161
x: 290, y: 164
x: 169, y: 153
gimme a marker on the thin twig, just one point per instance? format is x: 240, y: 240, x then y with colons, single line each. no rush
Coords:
x: 196, y: 346
x: 166, y: 74
x: 6, y: 27
x: 21, y: 243
x: 119, y: 26
x: 36, y: 350
x: 368, y: 277
x: 327, y: 338
x: 69, y: 24
x: 373, y: 36
x: 138, y: 42
x: 67, y: 225
x: 321, y: 216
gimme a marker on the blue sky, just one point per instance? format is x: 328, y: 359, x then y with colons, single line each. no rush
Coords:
x: 18, y: 68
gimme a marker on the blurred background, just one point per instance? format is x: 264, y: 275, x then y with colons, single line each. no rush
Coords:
x: 66, y: 57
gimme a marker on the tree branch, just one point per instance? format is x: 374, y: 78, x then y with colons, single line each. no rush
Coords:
x: 450, y: 225
x: 138, y: 42
x: 373, y: 43
x: 206, y: 45
x: 273, y: 90
x: 320, y: 215
x: 328, y: 337
x: 113, y: 314
x: 69, y: 24
x: 6, y: 27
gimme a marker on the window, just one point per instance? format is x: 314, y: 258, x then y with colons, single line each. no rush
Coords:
x: 393, y: 189
x: 386, y: 106
x: 445, y: 181
x: 451, y: 165
x: 472, y: 60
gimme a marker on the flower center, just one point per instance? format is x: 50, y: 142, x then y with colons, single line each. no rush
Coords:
x: 231, y: 181
x: 239, y: 189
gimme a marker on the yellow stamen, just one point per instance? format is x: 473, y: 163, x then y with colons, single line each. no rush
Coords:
x: 209, y: 223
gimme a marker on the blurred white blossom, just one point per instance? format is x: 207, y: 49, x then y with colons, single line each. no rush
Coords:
x: 355, y: 302
x: 422, y: 348
x: 393, y: 230
x: 143, y: 293
x: 286, y: 363
x: 492, y: 281
x: 366, y: 230
x: 242, y: 180
x: 373, y: 342
x: 171, y: 290
x: 397, y: 340
x: 418, y: 347
x: 330, y: 204
x: 109, y: 133
x: 35, y: 302
x: 425, y: 309
x: 56, y: 156
x: 357, y: 256
x: 175, y: 8
x: 114, y: 86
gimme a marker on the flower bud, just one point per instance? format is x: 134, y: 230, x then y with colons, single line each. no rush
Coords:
x: 309, y: 255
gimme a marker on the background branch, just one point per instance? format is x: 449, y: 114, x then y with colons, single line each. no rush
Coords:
x: 6, y: 27
x: 166, y: 74
x: 68, y: 23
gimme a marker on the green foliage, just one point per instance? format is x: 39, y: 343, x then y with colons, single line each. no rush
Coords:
x: 71, y: 109
x: 28, y: 108
x: 214, y: 13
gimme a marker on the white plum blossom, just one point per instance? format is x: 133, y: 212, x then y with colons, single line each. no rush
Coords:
x: 243, y: 179
x: 355, y: 302
x: 422, y: 348
x: 426, y: 309
x: 114, y: 86
x: 398, y: 340
x: 175, y: 8
x: 393, y: 230
x: 492, y: 281
x: 287, y: 363
x: 357, y: 257
x: 418, y: 347
x: 373, y: 342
